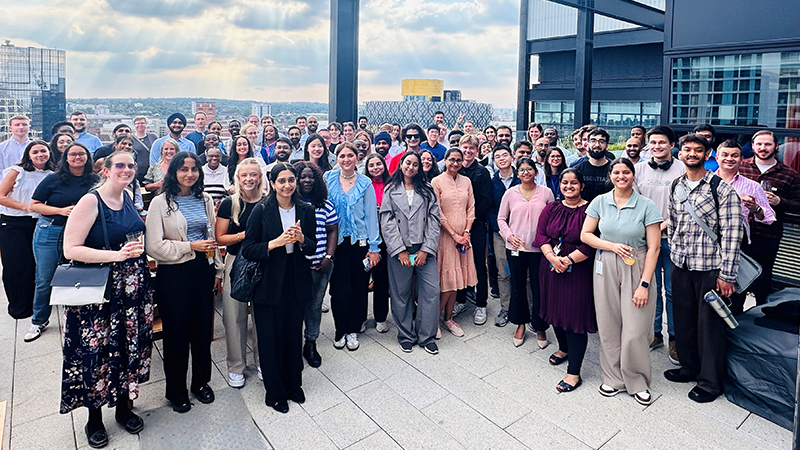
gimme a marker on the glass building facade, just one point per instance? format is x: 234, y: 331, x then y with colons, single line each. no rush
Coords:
x: 757, y: 89
x: 616, y: 117
x: 32, y: 83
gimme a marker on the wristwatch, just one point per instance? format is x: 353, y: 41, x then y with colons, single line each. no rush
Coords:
x: 467, y: 231
x: 645, y: 284
x: 329, y: 257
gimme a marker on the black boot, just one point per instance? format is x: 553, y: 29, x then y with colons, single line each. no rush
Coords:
x: 311, y: 355
x: 95, y: 430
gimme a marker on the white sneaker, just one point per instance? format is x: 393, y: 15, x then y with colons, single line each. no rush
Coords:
x: 325, y: 308
x: 458, y: 308
x: 352, y: 342
x: 235, y: 380
x: 340, y: 343
x: 35, y: 331
x: 479, y: 318
x: 381, y: 327
x: 260, y: 375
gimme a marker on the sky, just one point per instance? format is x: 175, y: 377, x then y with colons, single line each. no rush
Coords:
x: 270, y: 50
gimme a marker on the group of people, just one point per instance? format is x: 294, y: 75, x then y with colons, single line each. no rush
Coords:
x: 580, y: 240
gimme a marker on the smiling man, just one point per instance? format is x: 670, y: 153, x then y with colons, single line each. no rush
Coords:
x: 595, y: 168
x: 176, y: 123
x: 432, y: 143
x: 90, y: 141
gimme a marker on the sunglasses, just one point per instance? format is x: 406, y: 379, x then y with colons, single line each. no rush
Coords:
x: 123, y: 166
x: 412, y: 136
x: 454, y: 161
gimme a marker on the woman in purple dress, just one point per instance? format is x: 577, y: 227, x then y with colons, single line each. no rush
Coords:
x: 566, y: 282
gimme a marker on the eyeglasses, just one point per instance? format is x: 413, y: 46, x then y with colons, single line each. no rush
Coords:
x: 598, y: 141
x: 124, y: 130
x: 524, y: 152
x: 123, y: 166
x: 525, y: 170
x: 454, y: 161
x: 76, y: 155
x: 412, y: 136
x: 555, y: 156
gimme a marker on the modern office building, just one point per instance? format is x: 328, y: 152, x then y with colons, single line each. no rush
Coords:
x: 261, y: 109
x: 32, y: 83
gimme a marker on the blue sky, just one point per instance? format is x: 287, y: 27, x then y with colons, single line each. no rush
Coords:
x: 270, y: 50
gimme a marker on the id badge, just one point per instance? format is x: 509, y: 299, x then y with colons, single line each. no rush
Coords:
x: 598, y: 267
x: 362, y: 242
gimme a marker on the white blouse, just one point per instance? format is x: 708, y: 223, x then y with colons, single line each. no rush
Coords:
x: 22, y: 191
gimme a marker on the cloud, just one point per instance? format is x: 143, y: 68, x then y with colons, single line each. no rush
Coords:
x: 277, y: 15
x: 160, y: 9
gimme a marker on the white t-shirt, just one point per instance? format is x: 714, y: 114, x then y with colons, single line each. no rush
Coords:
x: 763, y: 168
x: 287, y: 220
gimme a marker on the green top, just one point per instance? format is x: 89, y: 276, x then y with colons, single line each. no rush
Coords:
x: 626, y: 225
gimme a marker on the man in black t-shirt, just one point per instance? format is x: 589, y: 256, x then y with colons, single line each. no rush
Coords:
x: 595, y: 169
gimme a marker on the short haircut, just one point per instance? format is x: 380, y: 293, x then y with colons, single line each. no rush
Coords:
x: 762, y: 133
x: 77, y: 112
x: 597, y: 131
x: 705, y: 127
x: 285, y: 140
x: 116, y: 128
x: 409, y: 127
x: 201, y: 112
x: 663, y: 130
x: 19, y: 117
x: 587, y: 129
x: 729, y: 143
x: 644, y: 130
x: 505, y: 127
x: 438, y: 112
x: 300, y: 117
x: 453, y: 133
x: 501, y: 147
x: 362, y: 117
x: 387, y: 127
x: 432, y: 126
x: 469, y: 139
x: 519, y: 144
x: 696, y: 139
x: 138, y: 118
x: 60, y: 124
x: 267, y: 116
x: 293, y: 127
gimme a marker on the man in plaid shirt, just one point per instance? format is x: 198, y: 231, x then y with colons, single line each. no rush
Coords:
x: 782, y: 186
x: 701, y: 265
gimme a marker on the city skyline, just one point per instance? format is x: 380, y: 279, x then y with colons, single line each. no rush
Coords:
x: 271, y: 50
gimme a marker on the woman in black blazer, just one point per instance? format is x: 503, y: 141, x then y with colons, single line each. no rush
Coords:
x: 281, y: 232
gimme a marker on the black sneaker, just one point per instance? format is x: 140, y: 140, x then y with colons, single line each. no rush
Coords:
x: 658, y: 341
x: 432, y: 348
x: 495, y: 292
x: 407, y: 347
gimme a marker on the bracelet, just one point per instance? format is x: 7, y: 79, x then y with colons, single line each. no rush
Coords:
x: 570, y: 259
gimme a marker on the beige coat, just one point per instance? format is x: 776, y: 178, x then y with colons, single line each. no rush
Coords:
x: 165, y: 239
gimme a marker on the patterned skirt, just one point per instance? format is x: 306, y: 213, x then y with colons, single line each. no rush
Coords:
x: 107, y: 348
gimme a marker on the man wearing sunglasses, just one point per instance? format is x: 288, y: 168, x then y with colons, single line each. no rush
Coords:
x: 108, y: 149
x: 433, y: 144
x: 411, y: 136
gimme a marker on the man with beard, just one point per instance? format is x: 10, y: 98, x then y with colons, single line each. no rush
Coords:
x: 701, y: 264
x: 90, y: 141
x: 782, y: 186
x: 104, y: 151
x: 653, y: 180
x: 215, y: 176
x: 312, y: 125
x: 382, y: 144
x: 633, y: 150
x: 176, y: 123
x: 595, y: 168
x: 541, y: 149
x: 199, y: 132
x: 283, y: 152
x: 362, y: 123
x: 433, y: 144
x: 295, y: 134
x: 63, y: 127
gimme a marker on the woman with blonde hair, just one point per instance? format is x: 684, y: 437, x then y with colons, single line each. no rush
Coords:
x: 154, y: 179
x: 232, y: 218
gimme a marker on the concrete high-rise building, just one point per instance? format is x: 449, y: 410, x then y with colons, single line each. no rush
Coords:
x: 32, y: 83
x: 261, y: 109
x: 210, y: 108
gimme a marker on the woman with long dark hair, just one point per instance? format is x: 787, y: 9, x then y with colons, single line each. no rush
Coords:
x: 230, y: 231
x: 180, y: 237
x: 17, y: 224
x: 313, y: 190
x: 281, y: 234
x: 58, y: 144
x: 54, y: 198
x: 554, y: 164
x: 375, y: 169
x: 430, y: 169
x: 108, y: 346
x: 518, y: 218
x: 359, y: 237
x: 348, y: 131
x: 566, y: 282
x: 316, y: 152
x: 410, y: 227
x: 268, y: 139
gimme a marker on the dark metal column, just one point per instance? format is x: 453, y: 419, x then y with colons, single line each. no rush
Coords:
x: 343, y: 81
x: 524, y: 73
x: 584, y: 47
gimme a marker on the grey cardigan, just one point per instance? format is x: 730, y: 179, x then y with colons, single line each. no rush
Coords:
x: 165, y: 238
x: 403, y: 226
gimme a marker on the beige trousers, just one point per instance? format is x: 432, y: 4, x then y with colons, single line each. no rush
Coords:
x: 234, y: 318
x: 625, y: 331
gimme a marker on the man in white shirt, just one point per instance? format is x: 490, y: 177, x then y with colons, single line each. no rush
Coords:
x: 11, y: 150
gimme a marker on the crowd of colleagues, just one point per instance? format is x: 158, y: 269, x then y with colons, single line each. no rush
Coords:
x: 425, y: 218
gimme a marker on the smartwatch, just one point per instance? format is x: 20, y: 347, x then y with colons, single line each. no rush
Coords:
x: 329, y: 257
x: 645, y: 284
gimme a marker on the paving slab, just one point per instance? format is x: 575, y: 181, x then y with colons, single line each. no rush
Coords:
x: 416, y: 388
x: 52, y: 432
x: 379, y: 440
x: 535, y: 433
x: 345, y: 424
x: 767, y: 431
x: 321, y: 393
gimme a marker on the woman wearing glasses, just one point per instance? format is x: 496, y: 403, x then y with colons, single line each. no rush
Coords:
x: 107, y: 347
x: 457, y: 212
x: 54, y: 199
x: 412, y: 136
x: 554, y: 164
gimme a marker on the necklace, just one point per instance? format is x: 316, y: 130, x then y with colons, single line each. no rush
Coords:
x: 347, y: 177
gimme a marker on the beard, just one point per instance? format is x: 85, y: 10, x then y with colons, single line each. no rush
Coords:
x: 597, y: 154
x: 282, y: 157
x: 295, y: 141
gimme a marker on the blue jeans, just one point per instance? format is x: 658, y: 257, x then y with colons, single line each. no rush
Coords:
x: 665, y: 264
x: 312, y: 314
x: 47, y: 251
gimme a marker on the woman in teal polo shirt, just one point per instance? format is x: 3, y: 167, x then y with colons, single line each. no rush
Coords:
x: 628, y: 247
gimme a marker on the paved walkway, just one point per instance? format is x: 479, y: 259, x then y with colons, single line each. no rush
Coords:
x: 480, y: 392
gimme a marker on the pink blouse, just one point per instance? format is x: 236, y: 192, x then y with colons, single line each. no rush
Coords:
x: 519, y: 217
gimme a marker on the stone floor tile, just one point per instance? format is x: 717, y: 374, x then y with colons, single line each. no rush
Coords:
x: 416, y: 388
x: 118, y: 438
x: 405, y: 424
x: 49, y: 342
x: 37, y: 388
x: 345, y: 424
x: 376, y: 358
x: 53, y: 432
x: 379, y: 440
x: 537, y: 433
x: 468, y: 426
x: 763, y: 429
x: 342, y: 368
x: 321, y: 393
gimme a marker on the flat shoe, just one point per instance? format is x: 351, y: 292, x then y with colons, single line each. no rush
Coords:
x: 643, y: 397
x: 282, y: 406
x: 556, y: 360
x: 133, y: 425
x: 97, y: 440
x: 608, y: 391
x: 563, y: 386
x: 298, y: 397
x: 181, y: 406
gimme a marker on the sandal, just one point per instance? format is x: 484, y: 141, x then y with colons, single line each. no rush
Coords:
x: 563, y: 386
x: 556, y: 360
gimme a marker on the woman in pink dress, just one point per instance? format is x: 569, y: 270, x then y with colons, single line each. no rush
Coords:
x: 457, y: 212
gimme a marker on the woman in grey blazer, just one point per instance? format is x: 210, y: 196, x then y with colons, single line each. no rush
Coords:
x: 410, y: 228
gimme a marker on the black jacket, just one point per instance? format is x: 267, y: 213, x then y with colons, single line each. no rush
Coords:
x: 265, y: 225
x: 481, y: 189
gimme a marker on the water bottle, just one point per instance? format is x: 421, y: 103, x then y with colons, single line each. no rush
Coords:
x: 716, y: 302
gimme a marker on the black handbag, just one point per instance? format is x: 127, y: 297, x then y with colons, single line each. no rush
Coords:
x: 82, y: 284
x: 245, y: 275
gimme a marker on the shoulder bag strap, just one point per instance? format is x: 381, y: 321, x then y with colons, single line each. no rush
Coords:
x: 102, y: 219
x: 683, y: 197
